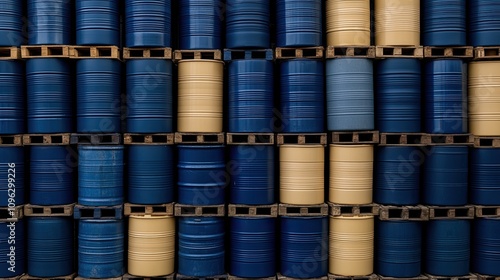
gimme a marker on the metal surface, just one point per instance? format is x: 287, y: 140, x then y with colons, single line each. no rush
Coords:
x: 299, y: 23
x: 486, y: 246
x: 397, y: 23
x: 484, y: 175
x: 148, y: 23
x: 12, y: 167
x: 348, y: 23
x: 18, y: 254
x: 49, y: 22
x: 97, y: 22
x: 200, y: 23
x: 11, y: 24
x: 248, y: 24
x: 12, y: 97
x: 444, y: 23
x: 483, y: 23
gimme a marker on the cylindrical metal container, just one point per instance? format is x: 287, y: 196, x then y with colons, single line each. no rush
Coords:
x: 148, y: 23
x: 251, y: 95
x: 444, y: 23
x: 200, y: 24
x: 101, y: 248
x: 253, y: 247
x: 348, y: 23
x: 252, y: 179
x: 12, y: 249
x: 484, y: 175
x: 201, y: 246
x: 50, y: 98
x: 398, y: 95
x: 12, y: 98
x: 397, y: 23
x: 11, y: 23
x: 304, y: 246
x: 398, y: 248
x: 50, y: 22
x: 247, y: 24
x: 486, y: 246
x: 484, y: 98
x: 299, y: 23
x: 12, y: 181
x: 50, y: 246
x: 100, y: 175
x: 397, y: 175
x: 149, y: 96
x: 446, y: 96
x: 151, y: 245
x: 97, y: 22
x: 484, y: 23
x: 349, y: 94
x: 200, y: 95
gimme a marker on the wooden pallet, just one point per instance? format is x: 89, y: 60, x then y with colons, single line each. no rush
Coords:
x: 404, y: 139
x: 481, y: 53
x: 199, y: 210
x: 46, y: 139
x: 403, y: 213
x: 49, y: 210
x: 148, y: 139
x: 299, y: 52
x: 96, y: 139
x: 465, y: 277
x: 66, y: 277
x: 355, y: 137
x: 303, y: 210
x: 486, y: 277
x: 302, y: 139
x: 217, y: 277
x: 45, y: 51
x: 353, y: 210
x: 10, y: 53
x: 283, y: 277
x: 197, y: 54
x: 11, y: 214
x: 133, y: 277
x: 421, y: 277
x: 114, y: 278
x: 350, y: 51
x: 199, y: 138
x: 451, y: 212
x: 146, y: 53
x: 18, y: 277
x: 231, y: 277
x: 487, y: 142
x: 396, y: 51
x: 340, y: 277
x: 450, y: 139
x: 250, y: 138
x: 449, y: 52
x: 84, y: 52
x: 239, y: 210
x: 232, y: 54
x: 483, y: 211
x: 153, y: 210
x: 98, y: 212
x: 11, y: 140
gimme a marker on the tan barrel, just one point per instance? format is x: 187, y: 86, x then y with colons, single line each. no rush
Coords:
x: 397, y: 22
x: 151, y: 244
x: 348, y: 22
x: 200, y: 96
x: 484, y: 98
x: 351, y: 245
x: 351, y: 174
x: 302, y: 175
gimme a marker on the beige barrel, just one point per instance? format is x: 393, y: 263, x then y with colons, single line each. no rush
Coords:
x: 484, y: 98
x: 351, y: 245
x: 200, y: 96
x: 151, y: 250
x: 348, y: 22
x: 302, y: 175
x: 397, y: 22
x: 351, y: 174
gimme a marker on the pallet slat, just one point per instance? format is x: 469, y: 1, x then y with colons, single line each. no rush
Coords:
x: 199, y: 138
x: 465, y: 277
x: 197, y: 54
x: 11, y: 140
x: 354, y: 210
x: 52, y: 51
x: 303, y: 210
x: 250, y: 138
x: 340, y: 277
x: 96, y: 139
x: 148, y: 139
x: 49, y: 211
x: 299, y: 52
x: 282, y: 277
x: 145, y: 53
x: 67, y: 277
x: 350, y: 51
x: 98, y: 212
x: 355, y: 137
x: 232, y: 54
x: 12, y: 214
x: 238, y: 210
x: 450, y: 212
x: 154, y: 210
x: 403, y: 213
x: 397, y: 51
x: 10, y: 53
x: 487, y: 142
x: 199, y: 211
x: 302, y: 139
x: 450, y: 139
x: 47, y: 139
x: 84, y: 52
x: 217, y: 277
x: 451, y: 52
x: 481, y: 53
x: 487, y: 211
x: 132, y: 277
x: 404, y: 139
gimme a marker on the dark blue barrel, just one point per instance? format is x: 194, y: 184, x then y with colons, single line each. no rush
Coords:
x: 447, y: 247
x: 445, y: 179
x: 398, y: 248
x: 444, y: 23
x: 484, y: 23
x: 484, y: 175
x: 50, y: 95
x: 397, y: 175
x: 253, y: 175
x: 200, y: 23
x: 252, y: 242
x: 12, y: 180
x: 349, y: 94
x: 50, y: 246
x: 11, y: 23
x: 97, y: 22
x: 49, y: 22
x: 12, y: 249
x: 148, y: 23
x: 486, y: 246
x: 100, y: 175
x: 201, y: 246
x: 304, y: 246
x: 101, y: 248
x: 12, y: 100
x: 149, y: 96
x: 52, y: 176
x: 299, y: 23
x: 302, y: 96
x: 398, y: 95
x: 251, y: 95
x: 446, y: 96
x: 150, y: 174
x: 247, y: 24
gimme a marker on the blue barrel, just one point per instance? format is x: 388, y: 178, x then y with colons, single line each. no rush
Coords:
x: 101, y: 248
x: 100, y: 175
x: 201, y: 246
x: 50, y: 246
x: 12, y: 249
x: 486, y: 246
x: 11, y: 23
x: 50, y: 22
x: 251, y: 95
x: 97, y: 22
x: 252, y: 242
x: 484, y: 175
x: 397, y: 175
x: 149, y: 96
x: 52, y: 175
x: 299, y: 23
x: 447, y: 247
x: 445, y: 179
x: 247, y: 24
x: 148, y: 23
x: 302, y: 96
x: 484, y: 23
x: 253, y: 175
x: 398, y: 248
x: 50, y: 95
x: 349, y: 94
x: 444, y: 23
x: 12, y: 180
x: 304, y: 246
x: 150, y: 174
x: 398, y: 95
x: 12, y: 99
x: 200, y: 23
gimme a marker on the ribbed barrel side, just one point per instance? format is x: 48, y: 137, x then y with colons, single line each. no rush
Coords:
x: 299, y: 23
x: 484, y: 23
x: 348, y: 23
x: 148, y: 23
x: 444, y: 23
x: 12, y: 166
x: 397, y: 22
x: 11, y: 23
x: 484, y: 170
x: 12, y: 96
x: 200, y: 24
x: 247, y: 24
x: 49, y: 22
x: 12, y: 249
x: 486, y: 246
x: 97, y: 22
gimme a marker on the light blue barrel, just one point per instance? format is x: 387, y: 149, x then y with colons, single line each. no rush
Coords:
x: 12, y: 181
x: 484, y: 170
x: 248, y: 24
x: 50, y: 22
x: 12, y: 97
x: 299, y: 23
x: 97, y: 22
x: 444, y: 22
x: 12, y: 249
x: 148, y: 23
x: 11, y: 23
x: 200, y: 24
x: 486, y: 246
x: 484, y: 23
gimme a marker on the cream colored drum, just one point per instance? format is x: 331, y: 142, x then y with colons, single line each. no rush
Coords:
x: 348, y: 22
x: 397, y: 23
